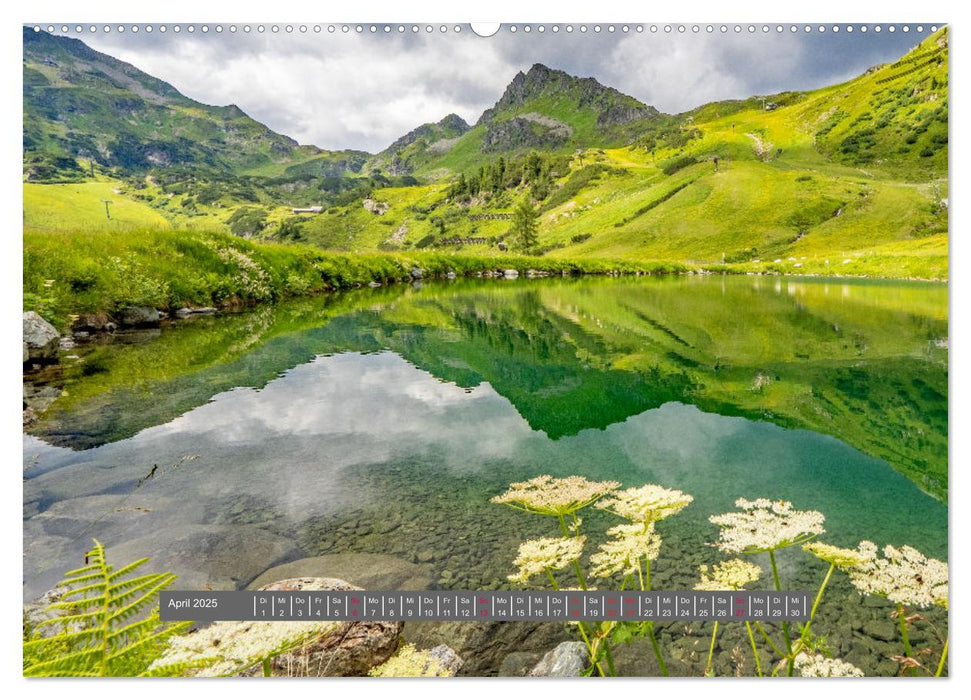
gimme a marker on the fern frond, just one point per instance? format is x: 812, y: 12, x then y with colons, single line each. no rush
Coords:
x: 118, y: 573
x: 93, y: 601
x: 69, y: 664
x: 132, y: 608
x: 109, y: 624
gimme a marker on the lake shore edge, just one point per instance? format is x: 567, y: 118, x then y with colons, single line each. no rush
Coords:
x: 72, y: 276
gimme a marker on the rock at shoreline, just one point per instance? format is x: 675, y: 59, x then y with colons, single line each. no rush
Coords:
x: 447, y: 658
x: 135, y: 316
x: 485, y: 645
x: 186, y: 311
x: 518, y: 663
x: 93, y: 323
x: 510, y: 274
x: 568, y: 659
x: 209, y: 556
x: 372, y: 571
x: 41, y: 339
x: 37, y: 612
x: 352, y: 649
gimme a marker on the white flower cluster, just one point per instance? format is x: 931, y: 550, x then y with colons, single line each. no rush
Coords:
x: 547, y: 553
x: 730, y: 575
x: 838, y: 556
x: 251, y: 278
x: 235, y: 646
x: 903, y: 576
x: 646, y: 504
x: 763, y: 525
x: 818, y: 666
x: 548, y: 496
x: 623, y: 552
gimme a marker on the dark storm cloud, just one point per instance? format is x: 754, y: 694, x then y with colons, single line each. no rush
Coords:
x: 365, y: 90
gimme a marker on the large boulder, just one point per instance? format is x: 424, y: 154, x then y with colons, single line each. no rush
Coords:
x: 136, y: 316
x: 484, y: 645
x: 40, y: 337
x: 447, y: 658
x: 568, y: 659
x: 93, y: 323
x: 352, y: 649
x: 374, y: 572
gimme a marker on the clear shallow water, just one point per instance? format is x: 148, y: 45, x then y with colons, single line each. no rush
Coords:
x: 382, y: 423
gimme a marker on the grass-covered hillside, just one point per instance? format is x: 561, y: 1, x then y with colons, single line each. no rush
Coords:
x: 845, y: 180
x: 850, y: 179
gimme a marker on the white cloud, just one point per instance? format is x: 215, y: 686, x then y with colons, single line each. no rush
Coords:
x: 678, y: 72
x: 364, y: 91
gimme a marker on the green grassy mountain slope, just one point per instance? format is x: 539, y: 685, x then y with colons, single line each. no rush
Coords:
x: 848, y: 179
x: 82, y: 103
x: 421, y: 145
x: 549, y: 110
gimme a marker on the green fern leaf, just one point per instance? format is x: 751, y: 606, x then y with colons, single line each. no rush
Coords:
x: 107, y: 624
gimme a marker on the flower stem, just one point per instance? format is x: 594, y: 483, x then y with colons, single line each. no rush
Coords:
x: 819, y: 596
x: 940, y: 666
x: 657, y: 649
x: 609, y: 656
x: 267, y: 667
x: 646, y: 586
x: 785, y: 624
x: 576, y: 564
x: 768, y: 640
x: 711, y: 649
x: 590, y: 649
x: 902, y: 620
x: 755, y: 652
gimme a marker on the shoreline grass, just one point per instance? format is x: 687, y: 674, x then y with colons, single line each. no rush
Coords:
x: 101, y: 272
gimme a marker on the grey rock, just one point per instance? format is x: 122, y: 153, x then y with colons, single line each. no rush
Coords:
x: 880, y: 629
x: 447, y: 658
x: 518, y: 663
x: 207, y: 556
x: 40, y: 337
x: 375, y: 207
x: 484, y: 645
x: 416, y: 273
x: 92, y: 323
x: 450, y: 275
x: 374, y: 285
x: 372, y: 571
x: 510, y: 274
x: 139, y: 316
x: 37, y: 611
x: 568, y: 659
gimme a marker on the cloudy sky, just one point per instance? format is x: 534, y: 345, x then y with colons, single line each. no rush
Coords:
x: 365, y: 90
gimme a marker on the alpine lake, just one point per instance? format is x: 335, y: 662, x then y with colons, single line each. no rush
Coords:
x: 366, y: 431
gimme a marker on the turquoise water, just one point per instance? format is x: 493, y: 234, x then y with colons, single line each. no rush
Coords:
x: 382, y: 424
